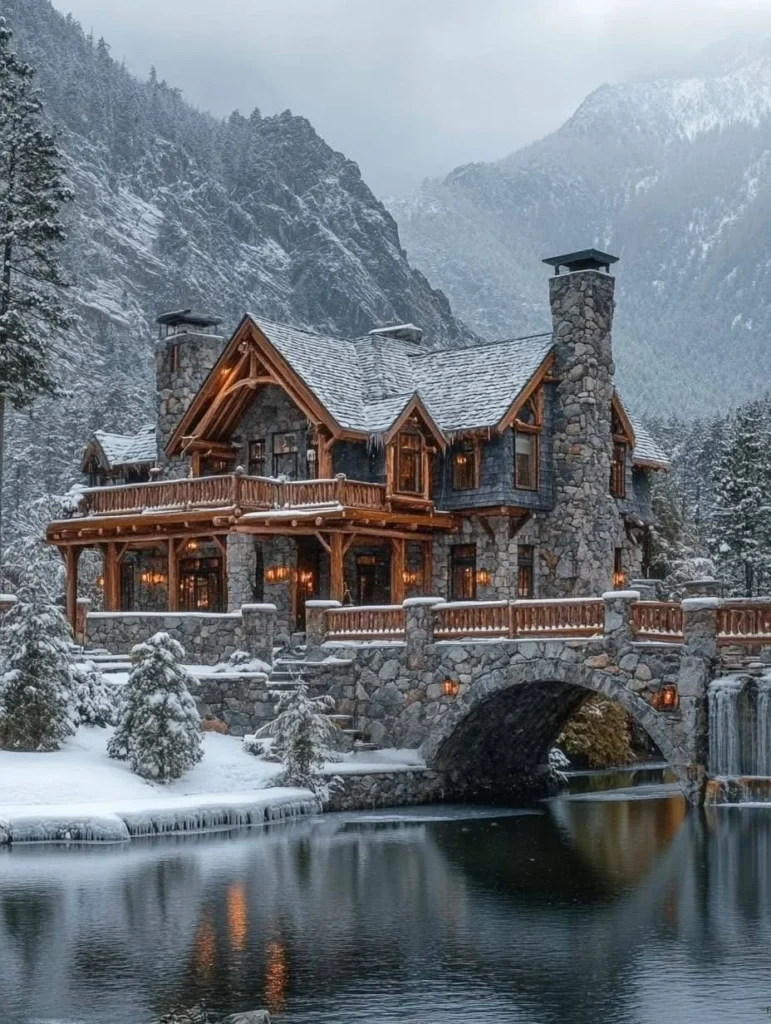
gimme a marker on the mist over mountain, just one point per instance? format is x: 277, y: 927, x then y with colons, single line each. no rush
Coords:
x: 176, y: 208
x: 672, y: 175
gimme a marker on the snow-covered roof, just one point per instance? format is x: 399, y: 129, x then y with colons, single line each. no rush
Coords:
x: 128, y: 449
x: 646, y: 450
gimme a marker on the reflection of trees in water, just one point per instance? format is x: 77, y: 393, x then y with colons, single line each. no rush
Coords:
x: 550, y: 913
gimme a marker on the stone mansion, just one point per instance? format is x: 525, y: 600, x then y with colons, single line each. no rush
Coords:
x: 286, y: 465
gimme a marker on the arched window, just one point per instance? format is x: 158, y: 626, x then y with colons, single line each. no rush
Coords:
x: 527, y: 428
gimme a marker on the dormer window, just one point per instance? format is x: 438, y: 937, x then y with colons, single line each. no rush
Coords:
x: 618, y: 459
x: 527, y: 428
x: 409, y: 461
x: 465, y: 465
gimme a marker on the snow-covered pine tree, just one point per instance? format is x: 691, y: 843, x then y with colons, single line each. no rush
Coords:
x: 32, y: 191
x: 94, y: 701
x: 36, y: 679
x: 159, y: 728
x: 303, y: 736
x: 740, y: 518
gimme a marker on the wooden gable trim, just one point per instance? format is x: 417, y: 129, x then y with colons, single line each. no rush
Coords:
x: 220, y: 401
x: 94, y: 448
x: 415, y: 405
x: 626, y: 423
x: 525, y: 394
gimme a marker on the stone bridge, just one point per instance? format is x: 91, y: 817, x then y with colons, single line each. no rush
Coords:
x: 484, y: 689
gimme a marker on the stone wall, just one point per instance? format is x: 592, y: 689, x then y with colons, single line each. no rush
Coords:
x: 398, y: 788
x: 241, y: 700
x: 272, y: 412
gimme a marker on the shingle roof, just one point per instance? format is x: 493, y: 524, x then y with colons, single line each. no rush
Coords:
x: 646, y: 449
x: 128, y: 449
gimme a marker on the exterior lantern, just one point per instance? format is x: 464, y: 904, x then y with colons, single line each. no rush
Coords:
x: 100, y: 581
x: 411, y: 577
x: 305, y: 579
x: 277, y: 574
x: 450, y: 688
x: 193, y: 545
x: 484, y: 577
x: 666, y: 698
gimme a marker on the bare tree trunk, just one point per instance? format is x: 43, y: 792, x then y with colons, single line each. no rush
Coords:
x: 2, y: 460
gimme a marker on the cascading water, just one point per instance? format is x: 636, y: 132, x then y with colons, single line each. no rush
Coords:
x: 763, y: 745
x: 724, y: 733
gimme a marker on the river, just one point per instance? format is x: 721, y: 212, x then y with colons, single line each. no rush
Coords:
x: 598, y: 909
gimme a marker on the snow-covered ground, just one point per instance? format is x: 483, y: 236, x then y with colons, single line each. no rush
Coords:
x: 79, y: 792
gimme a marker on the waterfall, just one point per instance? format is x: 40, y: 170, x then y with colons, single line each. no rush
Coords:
x: 763, y: 729
x: 724, y: 726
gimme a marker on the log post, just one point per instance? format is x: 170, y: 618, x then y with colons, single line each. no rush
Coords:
x: 397, y: 570
x: 110, y: 572
x: 173, y: 575
x: 337, y: 579
x: 83, y: 608
x: 428, y: 566
x: 71, y: 558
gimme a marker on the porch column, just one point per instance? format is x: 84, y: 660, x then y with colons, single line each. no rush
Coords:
x: 110, y: 572
x: 428, y: 566
x: 71, y: 559
x: 173, y: 576
x: 336, y: 580
x: 397, y: 570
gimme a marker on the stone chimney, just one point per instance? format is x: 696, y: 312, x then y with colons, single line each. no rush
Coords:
x: 580, y: 534
x: 188, y: 346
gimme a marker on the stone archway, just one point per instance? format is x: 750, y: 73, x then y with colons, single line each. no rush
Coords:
x: 494, y: 740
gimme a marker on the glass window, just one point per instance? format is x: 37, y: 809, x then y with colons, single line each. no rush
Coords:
x: 525, y: 565
x: 618, y: 470
x: 211, y: 466
x: 464, y: 466
x: 525, y: 460
x: 409, y: 456
x: 257, y: 458
x: 285, y: 455
x: 619, y: 577
x: 463, y: 572
x: 174, y: 358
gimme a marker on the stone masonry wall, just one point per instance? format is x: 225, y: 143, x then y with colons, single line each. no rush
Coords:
x: 577, y: 538
x: 207, y: 639
x: 241, y: 700
x: 398, y: 788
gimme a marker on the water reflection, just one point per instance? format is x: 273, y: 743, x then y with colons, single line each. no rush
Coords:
x: 611, y: 912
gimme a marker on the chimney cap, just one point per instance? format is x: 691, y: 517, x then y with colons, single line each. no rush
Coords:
x: 584, y: 259
x: 187, y: 316
x: 404, y: 332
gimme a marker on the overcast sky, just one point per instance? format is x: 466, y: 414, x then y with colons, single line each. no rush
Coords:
x: 411, y: 88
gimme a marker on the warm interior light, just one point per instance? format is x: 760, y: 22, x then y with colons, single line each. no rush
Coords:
x: 411, y: 577
x: 193, y: 545
x: 484, y: 577
x: 277, y: 574
x: 305, y: 579
x: 450, y: 688
x: 618, y: 579
x: 666, y: 698
x: 100, y: 581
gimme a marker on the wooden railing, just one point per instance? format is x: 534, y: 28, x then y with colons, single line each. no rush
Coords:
x: 745, y: 622
x: 379, y: 622
x: 472, y: 618
x: 657, y: 620
x: 573, y: 617
x: 232, y: 491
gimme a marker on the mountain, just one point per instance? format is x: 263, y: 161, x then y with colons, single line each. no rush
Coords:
x: 175, y: 208
x: 672, y: 176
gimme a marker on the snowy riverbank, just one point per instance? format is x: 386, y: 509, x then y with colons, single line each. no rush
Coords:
x: 79, y: 794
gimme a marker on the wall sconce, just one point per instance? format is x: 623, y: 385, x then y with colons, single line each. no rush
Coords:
x: 277, y: 574
x: 484, y: 577
x: 450, y: 688
x: 193, y: 545
x: 100, y: 581
x: 411, y: 577
x: 305, y: 579
x: 152, y: 579
x: 666, y: 698
x: 618, y: 580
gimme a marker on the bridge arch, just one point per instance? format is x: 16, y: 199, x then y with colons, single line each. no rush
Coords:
x: 494, y: 739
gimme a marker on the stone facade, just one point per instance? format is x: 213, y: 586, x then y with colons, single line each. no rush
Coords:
x: 578, y: 537
x: 239, y: 699
x: 397, y: 788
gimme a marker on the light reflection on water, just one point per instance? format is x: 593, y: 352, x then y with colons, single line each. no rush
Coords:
x: 623, y: 912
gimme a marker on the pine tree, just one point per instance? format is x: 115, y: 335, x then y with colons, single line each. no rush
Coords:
x: 94, y: 701
x: 598, y: 734
x: 159, y: 728
x: 740, y: 520
x: 303, y: 735
x: 32, y: 191
x: 36, y: 680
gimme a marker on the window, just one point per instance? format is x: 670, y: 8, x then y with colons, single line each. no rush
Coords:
x: 619, y: 577
x: 618, y: 470
x: 527, y: 427
x: 210, y: 466
x: 409, y: 462
x: 285, y: 455
x: 463, y: 572
x: 465, y: 466
x: 257, y: 458
x: 174, y: 358
x: 525, y: 565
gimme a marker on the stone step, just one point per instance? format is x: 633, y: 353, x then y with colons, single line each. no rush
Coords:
x: 363, y: 745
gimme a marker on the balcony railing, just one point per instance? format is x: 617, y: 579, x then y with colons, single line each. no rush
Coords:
x: 744, y: 622
x: 658, y: 620
x: 375, y: 622
x: 235, y: 490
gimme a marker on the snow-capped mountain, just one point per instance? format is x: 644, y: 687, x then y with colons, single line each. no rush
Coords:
x: 671, y: 175
x: 175, y: 208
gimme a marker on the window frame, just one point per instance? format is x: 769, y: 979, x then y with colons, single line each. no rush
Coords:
x: 276, y: 455
x: 618, y: 468
x: 252, y: 459
x: 417, y: 456
x: 466, y: 563
x: 532, y: 430
x: 466, y: 446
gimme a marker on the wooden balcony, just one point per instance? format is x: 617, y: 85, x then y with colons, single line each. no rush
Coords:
x: 233, y: 491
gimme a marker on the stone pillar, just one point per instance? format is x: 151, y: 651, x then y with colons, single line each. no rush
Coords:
x: 697, y: 669
x: 618, y: 616
x: 259, y: 626
x: 703, y: 588
x: 317, y: 627
x: 578, y: 536
x: 646, y: 589
x: 242, y: 570
x: 81, y: 617
x: 419, y: 629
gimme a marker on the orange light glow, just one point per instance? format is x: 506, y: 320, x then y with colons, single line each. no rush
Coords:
x: 237, y: 916
x: 276, y: 976
x: 450, y: 688
x: 204, y: 948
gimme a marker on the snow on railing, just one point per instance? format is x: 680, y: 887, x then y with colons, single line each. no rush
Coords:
x: 658, y: 620
x: 744, y: 622
x: 376, y: 622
